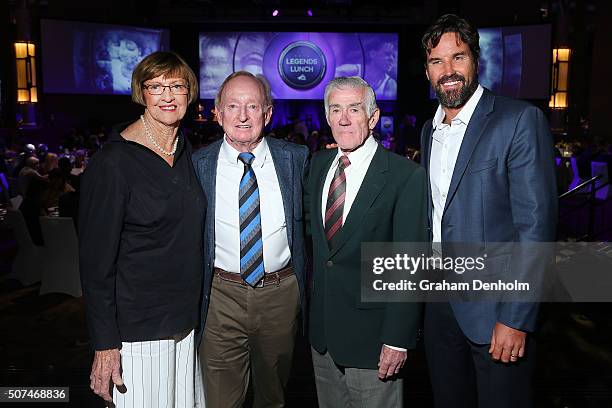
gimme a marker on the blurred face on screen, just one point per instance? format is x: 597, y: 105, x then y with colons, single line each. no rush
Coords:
x: 242, y: 113
x: 167, y: 108
x: 348, y: 118
x: 452, y: 71
x: 385, y: 57
x: 129, y: 54
x: 215, y: 66
x: 250, y: 50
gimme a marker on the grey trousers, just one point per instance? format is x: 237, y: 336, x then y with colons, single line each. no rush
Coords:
x: 339, y: 387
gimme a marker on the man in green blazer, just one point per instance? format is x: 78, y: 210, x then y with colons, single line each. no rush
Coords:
x: 357, y: 193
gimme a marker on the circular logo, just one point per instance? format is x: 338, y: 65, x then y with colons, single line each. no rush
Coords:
x: 302, y: 65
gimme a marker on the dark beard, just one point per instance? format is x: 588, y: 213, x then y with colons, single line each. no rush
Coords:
x: 455, y: 99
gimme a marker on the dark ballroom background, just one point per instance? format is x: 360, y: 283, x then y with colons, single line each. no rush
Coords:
x: 43, y: 335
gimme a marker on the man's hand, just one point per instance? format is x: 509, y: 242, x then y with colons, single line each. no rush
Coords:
x: 507, y: 344
x: 106, y: 367
x: 390, y: 362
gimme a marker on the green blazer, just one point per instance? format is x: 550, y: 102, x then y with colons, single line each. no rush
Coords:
x: 389, y: 207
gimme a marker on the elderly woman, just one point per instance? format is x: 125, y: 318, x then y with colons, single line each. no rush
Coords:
x: 140, y: 224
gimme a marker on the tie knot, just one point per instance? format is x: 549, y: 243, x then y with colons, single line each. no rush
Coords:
x: 247, y: 158
x: 344, y: 161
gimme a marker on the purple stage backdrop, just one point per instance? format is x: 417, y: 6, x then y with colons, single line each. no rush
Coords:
x: 299, y: 65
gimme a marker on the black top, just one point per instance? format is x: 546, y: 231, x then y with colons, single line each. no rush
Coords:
x: 140, y: 243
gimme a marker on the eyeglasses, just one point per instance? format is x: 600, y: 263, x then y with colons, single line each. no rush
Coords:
x: 158, y: 89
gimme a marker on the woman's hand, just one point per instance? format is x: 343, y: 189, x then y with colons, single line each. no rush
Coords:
x: 106, y: 367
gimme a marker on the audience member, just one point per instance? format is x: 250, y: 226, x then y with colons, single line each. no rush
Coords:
x: 50, y: 163
x: 31, y: 208
x: 28, y: 173
x: 58, y: 185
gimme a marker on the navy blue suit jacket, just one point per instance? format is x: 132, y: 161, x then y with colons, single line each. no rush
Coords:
x: 503, y: 189
x: 291, y: 162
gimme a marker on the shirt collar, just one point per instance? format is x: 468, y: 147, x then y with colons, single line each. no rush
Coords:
x: 230, y: 154
x: 465, y: 114
x: 358, y: 156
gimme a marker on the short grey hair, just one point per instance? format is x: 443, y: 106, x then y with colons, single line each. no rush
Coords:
x: 352, y: 82
x: 261, y: 80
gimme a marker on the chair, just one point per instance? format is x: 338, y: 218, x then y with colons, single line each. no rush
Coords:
x: 4, y: 182
x: 61, y: 268
x: 577, y: 180
x: 16, y: 201
x: 4, y: 189
x: 13, y: 186
x: 27, y: 264
x: 601, y: 169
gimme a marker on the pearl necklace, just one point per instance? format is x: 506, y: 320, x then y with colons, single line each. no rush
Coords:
x: 152, y: 140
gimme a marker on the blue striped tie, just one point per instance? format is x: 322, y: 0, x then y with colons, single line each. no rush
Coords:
x: 251, y: 242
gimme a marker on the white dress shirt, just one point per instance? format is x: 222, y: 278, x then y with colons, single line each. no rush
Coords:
x: 355, y: 173
x: 445, y: 147
x: 276, y: 251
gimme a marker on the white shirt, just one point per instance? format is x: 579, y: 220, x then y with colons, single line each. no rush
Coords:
x: 355, y: 173
x: 445, y: 147
x: 276, y: 251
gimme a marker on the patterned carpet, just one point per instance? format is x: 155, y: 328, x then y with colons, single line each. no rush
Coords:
x: 44, y: 342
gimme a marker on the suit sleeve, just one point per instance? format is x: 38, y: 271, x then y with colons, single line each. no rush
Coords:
x: 308, y: 196
x: 402, y: 319
x: 304, y: 174
x: 194, y: 161
x: 101, y: 213
x: 533, y: 199
x: 425, y: 135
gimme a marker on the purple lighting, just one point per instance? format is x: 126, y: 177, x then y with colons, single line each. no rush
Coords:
x: 309, y: 12
x: 324, y: 56
x: 275, y: 13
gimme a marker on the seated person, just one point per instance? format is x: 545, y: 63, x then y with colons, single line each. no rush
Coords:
x: 29, y: 172
x: 58, y: 185
x: 31, y: 208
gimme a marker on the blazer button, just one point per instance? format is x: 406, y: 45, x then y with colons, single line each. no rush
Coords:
x: 330, y: 263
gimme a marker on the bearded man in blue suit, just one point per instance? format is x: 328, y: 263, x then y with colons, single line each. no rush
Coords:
x: 490, y: 166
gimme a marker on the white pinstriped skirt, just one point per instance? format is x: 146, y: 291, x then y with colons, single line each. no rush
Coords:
x: 161, y: 374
